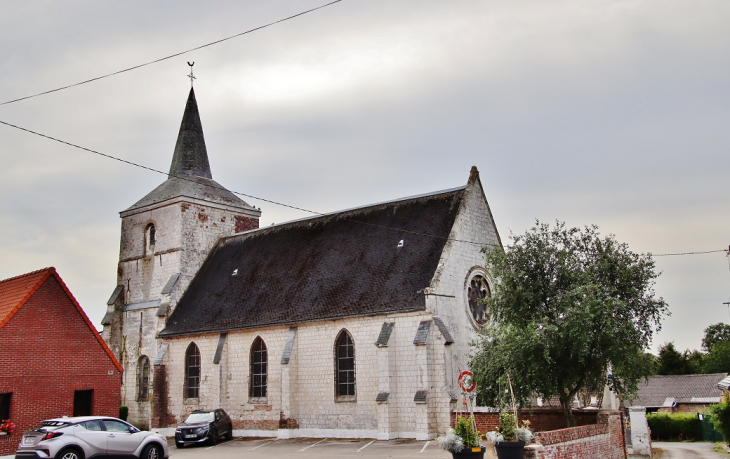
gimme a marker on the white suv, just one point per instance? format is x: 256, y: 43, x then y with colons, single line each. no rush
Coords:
x: 87, y: 436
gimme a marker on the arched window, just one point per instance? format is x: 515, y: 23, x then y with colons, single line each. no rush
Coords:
x: 143, y: 378
x: 258, y: 369
x: 192, y: 371
x: 149, y: 239
x: 344, y: 367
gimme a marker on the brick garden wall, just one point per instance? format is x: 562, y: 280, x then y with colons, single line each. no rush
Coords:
x: 48, y: 352
x: 541, y: 419
x: 599, y: 434
x: 603, y: 440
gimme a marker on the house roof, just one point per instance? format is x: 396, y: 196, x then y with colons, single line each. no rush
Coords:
x: 190, y: 175
x: 667, y: 391
x: 344, y: 264
x: 16, y: 291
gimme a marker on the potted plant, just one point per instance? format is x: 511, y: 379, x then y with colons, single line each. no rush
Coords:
x: 463, y: 441
x: 509, y: 439
x: 6, y: 427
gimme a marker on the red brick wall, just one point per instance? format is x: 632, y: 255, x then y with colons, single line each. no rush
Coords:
x: 47, y: 352
x: 541, y: 419
x: 603, y: 440
x: 246, y: 223
x: 599, y: 435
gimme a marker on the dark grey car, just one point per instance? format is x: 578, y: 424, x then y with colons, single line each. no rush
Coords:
x: 204, y: 426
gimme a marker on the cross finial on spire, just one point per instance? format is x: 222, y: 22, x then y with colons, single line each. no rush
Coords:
x: 191, y: 76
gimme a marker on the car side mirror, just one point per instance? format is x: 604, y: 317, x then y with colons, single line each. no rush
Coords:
x: 133, y: 429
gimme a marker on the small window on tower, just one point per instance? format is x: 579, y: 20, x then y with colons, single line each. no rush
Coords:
x: 149, y: 239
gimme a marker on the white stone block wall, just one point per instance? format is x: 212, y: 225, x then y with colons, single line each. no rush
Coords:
x: 309, y: 384
x: 185, y: 233
x: 447, y: 297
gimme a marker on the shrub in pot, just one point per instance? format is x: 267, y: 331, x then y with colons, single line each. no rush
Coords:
x: 509, y: 439
x: 463, y: 441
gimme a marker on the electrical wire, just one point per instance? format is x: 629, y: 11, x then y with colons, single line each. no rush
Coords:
x: 131, y: 163
x: 105, y: 155
x: 171, y: 55
x: 687, y: 253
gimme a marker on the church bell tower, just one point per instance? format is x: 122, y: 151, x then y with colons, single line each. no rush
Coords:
x: 165, y: 238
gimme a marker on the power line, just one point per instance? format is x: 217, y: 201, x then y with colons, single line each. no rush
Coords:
x: 687, y: 253
x: 171, y: 55
x: 131, y: 163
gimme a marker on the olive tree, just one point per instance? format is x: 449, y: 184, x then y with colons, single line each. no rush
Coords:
x: 571, y: 312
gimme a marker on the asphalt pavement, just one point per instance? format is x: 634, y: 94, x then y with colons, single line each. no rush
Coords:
x: 240, y: 448
x: 688, y: 450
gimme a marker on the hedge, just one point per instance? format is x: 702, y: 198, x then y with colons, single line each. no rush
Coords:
x: 675, y: 427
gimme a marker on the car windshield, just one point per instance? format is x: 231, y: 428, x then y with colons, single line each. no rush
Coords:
x: 47, y: 426
x: 199, y: 417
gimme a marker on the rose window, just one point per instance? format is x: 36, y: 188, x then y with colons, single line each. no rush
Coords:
x: 478, y: 290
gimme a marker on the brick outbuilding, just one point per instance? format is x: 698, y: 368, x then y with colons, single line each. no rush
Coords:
x: 53, y: 362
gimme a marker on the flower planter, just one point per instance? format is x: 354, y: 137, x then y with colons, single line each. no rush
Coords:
x: 470, y: 453
x: 510, y: 449
x: 3, y: 433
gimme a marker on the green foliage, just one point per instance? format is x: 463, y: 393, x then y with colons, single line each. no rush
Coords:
x: 721, y: 417
x: 507, y: 426
x: 123, y: 412
x: 672, y: 362
x: 718, y: 360
x: 568, y: 304
x: 465, y: 429
x: 717, y: 333
x: 675, y: 427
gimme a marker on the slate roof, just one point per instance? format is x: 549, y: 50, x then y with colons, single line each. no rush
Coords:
x: 190, y: 174
x: 682, y: 388
x: 339, y: 265
x: 16, y: 291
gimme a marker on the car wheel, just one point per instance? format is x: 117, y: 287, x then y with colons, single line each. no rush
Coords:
x: 70, y: 453
x: 152, y: 451
x: 229, y: 435
x: 213, y: 437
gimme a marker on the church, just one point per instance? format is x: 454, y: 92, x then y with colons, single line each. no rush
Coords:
x: 352, y: 324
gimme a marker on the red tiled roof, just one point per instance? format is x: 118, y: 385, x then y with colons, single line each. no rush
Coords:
x: 14, y: 292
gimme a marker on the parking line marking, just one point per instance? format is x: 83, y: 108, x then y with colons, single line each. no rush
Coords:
x: 365, y: 446
x: 257, y: 447
x: 313, y: 444
x: 424, y: 447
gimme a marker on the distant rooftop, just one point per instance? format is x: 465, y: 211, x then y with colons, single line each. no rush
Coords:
x: 668, y: 391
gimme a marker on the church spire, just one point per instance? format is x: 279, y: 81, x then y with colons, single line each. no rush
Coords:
x: 191, y: 156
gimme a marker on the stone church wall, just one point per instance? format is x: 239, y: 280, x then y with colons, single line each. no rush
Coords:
x: 144, y: 273
x: 302, y: 393
x: 447, y: 297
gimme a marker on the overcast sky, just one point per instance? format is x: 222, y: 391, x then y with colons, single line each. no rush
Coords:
x: 608, y: 112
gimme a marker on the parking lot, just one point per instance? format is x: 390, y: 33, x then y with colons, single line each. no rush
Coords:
x: 314, y: 447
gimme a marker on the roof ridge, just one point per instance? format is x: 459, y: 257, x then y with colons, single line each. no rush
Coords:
x: 47, y: 272
x: 684, y: 376
x: 37, y: 271
x: 351, y: 209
